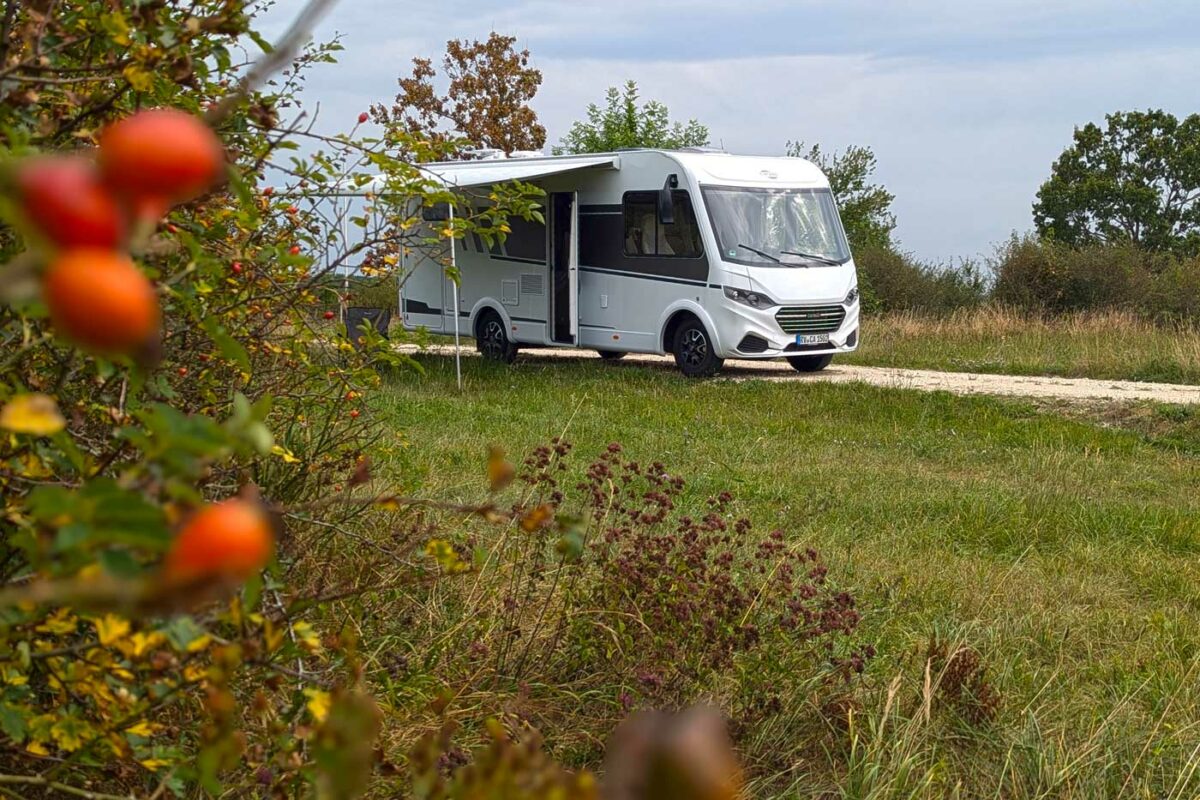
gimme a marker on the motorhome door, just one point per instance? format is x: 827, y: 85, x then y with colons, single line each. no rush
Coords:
x: 564, y: 267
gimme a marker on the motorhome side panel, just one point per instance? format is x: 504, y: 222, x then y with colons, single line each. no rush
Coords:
x: 509, y: 276
x: 630, y: 270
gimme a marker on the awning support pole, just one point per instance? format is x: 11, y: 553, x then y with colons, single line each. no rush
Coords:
x: 454, y: 267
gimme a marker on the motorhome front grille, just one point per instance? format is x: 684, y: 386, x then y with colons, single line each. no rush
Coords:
x: 810, y: 319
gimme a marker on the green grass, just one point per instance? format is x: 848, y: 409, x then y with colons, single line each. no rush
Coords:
x: 1065, y: 549
x: 1109, y: 345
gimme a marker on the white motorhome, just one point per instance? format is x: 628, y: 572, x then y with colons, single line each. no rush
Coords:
x: 700, y: 254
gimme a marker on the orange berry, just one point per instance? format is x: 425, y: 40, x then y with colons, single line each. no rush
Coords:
x: 99, y: 299
x: 163, y: 152
x: 355, y: 414
x: 65, y: 200
x: 183, y: 371
x: 232, y: 538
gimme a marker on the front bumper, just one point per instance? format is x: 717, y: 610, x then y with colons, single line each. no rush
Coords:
x: 755, y: 333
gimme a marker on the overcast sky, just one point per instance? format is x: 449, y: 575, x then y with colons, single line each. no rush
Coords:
x: 966, y: 103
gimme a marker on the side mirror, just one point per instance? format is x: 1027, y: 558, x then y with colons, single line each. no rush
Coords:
x: 666, y: 203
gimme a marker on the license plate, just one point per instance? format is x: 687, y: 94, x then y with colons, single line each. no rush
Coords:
x: 812, y: 338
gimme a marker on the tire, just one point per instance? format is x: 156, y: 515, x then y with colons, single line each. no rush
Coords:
x: 612, y: 355
x: 492, y: 340
x: 809, y: 363
x: 694, y: 352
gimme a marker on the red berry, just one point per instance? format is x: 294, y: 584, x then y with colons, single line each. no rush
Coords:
x: 292, y: 209
x: 163, y: 152
x: 354, y: 414
x: 171, y: 228
x: 267, y: 192
x: 237, y: 268
x: 99, y: 299
x: 329, y: 315
x: 362, y: 118
x: 65, y: 199
x: 231, y: 538
x: 294, y: 250
x: 183, y: 370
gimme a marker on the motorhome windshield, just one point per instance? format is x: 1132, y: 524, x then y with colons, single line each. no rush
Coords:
x: 777, y: 227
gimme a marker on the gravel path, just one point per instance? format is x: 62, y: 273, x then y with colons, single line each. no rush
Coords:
x: 925, y: 380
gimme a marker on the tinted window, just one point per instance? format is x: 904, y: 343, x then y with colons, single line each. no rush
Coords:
x: 644, y: 236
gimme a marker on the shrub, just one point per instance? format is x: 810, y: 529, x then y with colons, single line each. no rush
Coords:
x: 605, y: 596
x: 1044, y: 276
x: 895, y: 281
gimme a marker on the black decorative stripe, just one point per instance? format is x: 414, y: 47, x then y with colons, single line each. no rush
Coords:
x: 642, y: 275
x: 597, y: 327
x: 526, y: 319
x: 418, y: 307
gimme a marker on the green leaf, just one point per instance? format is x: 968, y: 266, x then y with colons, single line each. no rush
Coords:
x: 12, y: 722
x: 119, y: 563
x: 229, y: 347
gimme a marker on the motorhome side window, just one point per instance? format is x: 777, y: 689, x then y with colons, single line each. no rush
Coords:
x: 644, y: 236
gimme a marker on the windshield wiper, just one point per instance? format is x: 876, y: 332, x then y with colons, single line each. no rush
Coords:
x: 812, y: 256
x: 759, y: 253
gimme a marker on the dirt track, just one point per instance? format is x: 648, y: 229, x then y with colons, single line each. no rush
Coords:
x: 926, y: 380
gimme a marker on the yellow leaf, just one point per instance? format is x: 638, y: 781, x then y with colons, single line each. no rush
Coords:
x: 500, y: 472
x: 70, y: 734
x: 537, y: 517
x: 153, y: 764
x: 287, y: 455
x: 445, y: 555
x: 318, y: 703
x: 194, y: 673
x: 144, y: 729
x: 199, y: 643
x: 306, y: 637
x: 37, y: 748
x: 111, y: 628
x: 12, y: 677
x: 139, y: 644
x: 272, y: 636
x: 35, y: 414
x: 60, y: 622
x: 140, y: 79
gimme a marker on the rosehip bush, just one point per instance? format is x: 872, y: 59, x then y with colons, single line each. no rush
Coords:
x: 184, y: 443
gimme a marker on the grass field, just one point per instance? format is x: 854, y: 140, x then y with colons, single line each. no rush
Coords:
x: 1093, y: 345
x: 1063, y: 550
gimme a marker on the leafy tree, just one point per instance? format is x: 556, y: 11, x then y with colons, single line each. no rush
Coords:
x: 486, y: 102
x: 622, y: 123
x: 865, y: 207
x: 1136, y: 181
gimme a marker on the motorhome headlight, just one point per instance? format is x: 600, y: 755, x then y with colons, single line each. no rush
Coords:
x: 748, y: 298
x: 851, y: 296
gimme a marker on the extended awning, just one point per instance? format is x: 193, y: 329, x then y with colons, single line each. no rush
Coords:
x: 487, y: 173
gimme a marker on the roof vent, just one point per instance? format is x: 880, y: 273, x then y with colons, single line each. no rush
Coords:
x: 482, y: 154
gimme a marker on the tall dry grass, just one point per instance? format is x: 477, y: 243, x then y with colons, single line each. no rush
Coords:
x: 1108, y: 344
